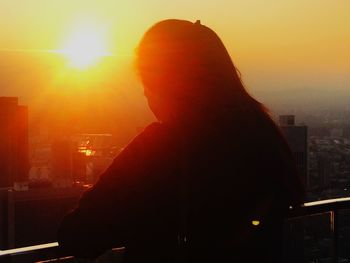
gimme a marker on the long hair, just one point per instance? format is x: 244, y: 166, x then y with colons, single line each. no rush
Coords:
x: 188, y: 63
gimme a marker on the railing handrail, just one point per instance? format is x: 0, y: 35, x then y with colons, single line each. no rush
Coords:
x: 307, y: 208
x: 322, y: 206
x: 327, y: 201
x: 21, y: 250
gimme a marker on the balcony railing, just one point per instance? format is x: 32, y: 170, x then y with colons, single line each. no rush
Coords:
x: 50, y: 253
x: 316, y: 232
x: 319, y: 232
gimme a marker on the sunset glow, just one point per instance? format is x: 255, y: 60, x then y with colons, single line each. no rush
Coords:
x: 85, y: 48
x: 195, y: 131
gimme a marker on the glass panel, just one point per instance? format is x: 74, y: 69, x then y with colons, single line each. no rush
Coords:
x: 309, y: 239
x: 344, y: 235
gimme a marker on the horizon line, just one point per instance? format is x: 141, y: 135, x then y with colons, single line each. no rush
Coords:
x: 55, y: 51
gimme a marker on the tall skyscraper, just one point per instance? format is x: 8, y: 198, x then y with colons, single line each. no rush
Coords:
x: 14, y: 159
x: 297, y: 138
x: 61, y: 163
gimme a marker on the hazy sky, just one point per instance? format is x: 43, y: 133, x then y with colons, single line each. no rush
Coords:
x: 289, y: 51
x: 264, y: 36
x: 289, y: 31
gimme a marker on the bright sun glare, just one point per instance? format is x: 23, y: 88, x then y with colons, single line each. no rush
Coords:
x: 84, y: 48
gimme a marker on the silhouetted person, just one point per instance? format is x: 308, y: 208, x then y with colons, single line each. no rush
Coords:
x: 210, y: 182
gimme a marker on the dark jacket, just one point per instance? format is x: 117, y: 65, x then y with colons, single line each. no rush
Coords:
x: 207, y: 184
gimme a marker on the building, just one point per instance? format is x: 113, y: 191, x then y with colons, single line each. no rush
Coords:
x: 93, y: 154
x: 62, y: 163
x: 79, y: 167
x: 297, y: 138
x: 32, y: 217
x: 14, y: 149
x: 336, y: 133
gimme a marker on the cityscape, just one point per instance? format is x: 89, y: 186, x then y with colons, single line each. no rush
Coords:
x: 72, y: 97
x: 44, y: 172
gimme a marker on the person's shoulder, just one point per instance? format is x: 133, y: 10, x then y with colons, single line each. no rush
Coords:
x: 145, y: 148
x: 153, y: 131
x: 152, y: 136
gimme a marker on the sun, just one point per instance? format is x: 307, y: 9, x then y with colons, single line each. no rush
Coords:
x: 85, y: 48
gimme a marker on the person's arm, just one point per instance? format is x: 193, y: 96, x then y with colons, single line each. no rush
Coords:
x: 100, y: 221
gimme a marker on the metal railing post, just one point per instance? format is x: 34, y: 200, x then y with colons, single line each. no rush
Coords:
x: 334, y: 228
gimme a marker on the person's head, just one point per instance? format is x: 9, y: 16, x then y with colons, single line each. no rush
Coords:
x: 186, y: 70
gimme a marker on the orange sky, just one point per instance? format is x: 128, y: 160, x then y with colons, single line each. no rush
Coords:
x: 279, y: 46
x: 282, y: 31
x: 281, y: 35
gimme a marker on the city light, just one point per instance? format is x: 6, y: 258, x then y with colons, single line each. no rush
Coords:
x: 255, y: 222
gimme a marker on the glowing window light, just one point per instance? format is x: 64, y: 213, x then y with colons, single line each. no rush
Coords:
x: 255, y: 222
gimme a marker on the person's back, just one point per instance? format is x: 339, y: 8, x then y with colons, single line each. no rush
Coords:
x: 211, y: 181
x: 234, y: 198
